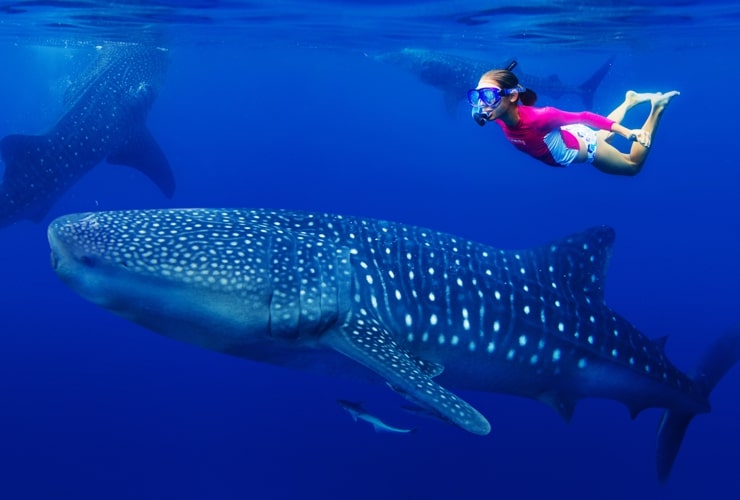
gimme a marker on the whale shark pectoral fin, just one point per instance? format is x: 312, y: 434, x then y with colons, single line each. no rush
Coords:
x: 142, y: 152
x: 372, y: 346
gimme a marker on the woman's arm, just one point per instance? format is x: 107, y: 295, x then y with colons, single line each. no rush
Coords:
x: 557, y: 117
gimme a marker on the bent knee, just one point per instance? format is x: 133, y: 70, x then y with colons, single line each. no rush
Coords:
x: 630, y: 167
x: 632, y: 170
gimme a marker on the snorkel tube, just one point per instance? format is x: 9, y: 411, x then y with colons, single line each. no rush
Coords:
x: 480, y: 116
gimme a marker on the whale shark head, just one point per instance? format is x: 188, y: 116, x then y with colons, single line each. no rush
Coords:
x: 219, y: 280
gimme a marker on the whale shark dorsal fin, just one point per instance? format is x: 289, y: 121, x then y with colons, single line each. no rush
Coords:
x: 370, y: 344
x: 142, y: 152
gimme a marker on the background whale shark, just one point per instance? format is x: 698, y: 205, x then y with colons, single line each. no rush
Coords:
x: 454, y: 75
x: 104, y: 118
x: 420, y: 310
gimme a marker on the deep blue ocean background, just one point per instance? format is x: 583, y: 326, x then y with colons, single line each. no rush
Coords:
x: 282, y: 105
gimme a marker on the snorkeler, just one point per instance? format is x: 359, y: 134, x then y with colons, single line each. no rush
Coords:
x: 560, y: 138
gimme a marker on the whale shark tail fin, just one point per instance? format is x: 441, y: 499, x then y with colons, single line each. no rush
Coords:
x: 588, y: 88
x: 141, y: 151
x: 720, y: 358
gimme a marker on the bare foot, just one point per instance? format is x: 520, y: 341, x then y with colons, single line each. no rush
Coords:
x: 633, y: 98
x: 660, y: 100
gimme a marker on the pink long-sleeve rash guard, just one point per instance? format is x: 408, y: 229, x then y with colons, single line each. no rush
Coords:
x: 535, y: 123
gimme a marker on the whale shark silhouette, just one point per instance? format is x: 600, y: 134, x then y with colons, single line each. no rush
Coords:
x: 454, y: 75
x: 104, y: 119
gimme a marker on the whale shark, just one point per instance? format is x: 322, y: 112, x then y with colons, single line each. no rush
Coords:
x: 358, y: 412
x: 103, y: 119
x: 454, y: 75
x: 422, y: 311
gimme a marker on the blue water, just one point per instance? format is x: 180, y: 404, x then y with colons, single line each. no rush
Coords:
x: 281, y: 104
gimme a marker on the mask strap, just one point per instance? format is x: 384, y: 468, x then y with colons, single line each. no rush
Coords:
x: 516, y: 90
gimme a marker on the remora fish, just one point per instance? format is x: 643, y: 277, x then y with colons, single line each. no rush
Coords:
x: 454, y: 75
x: 104, y: 118
x: 358, y: 412
x: 419, y: 309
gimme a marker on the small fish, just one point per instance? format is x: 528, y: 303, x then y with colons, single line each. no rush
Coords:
x: 358, y: 412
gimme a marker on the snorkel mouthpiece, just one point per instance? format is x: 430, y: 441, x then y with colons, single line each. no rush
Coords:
x: 480, y: 116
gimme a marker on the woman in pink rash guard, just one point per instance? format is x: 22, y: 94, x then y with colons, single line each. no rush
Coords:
x: 560, y: 138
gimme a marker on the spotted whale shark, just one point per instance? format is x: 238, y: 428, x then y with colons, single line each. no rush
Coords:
x: 454, y: 75
x: 422, y: 311
x: 103, y: 119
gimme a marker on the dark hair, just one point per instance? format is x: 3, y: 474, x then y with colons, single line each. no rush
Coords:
x: 508, y: 80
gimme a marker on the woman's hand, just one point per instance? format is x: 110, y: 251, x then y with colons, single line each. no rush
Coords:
x: 641, y: 136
